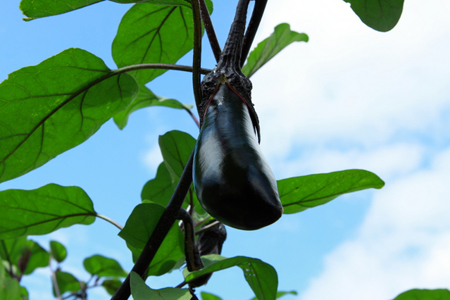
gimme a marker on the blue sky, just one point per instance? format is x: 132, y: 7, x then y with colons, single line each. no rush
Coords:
x: 350, y: 98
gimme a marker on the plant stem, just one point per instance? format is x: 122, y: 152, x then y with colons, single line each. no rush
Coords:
x: 158, y: 66
x: 196, y: 59
x: 252, y: 28
x: 193, y: 117
x: 207, y: 227
x: 193, y: 261
x: 110, y: 221
x: 55, y: 282
x: 163, y: 226
x: 209, y: 28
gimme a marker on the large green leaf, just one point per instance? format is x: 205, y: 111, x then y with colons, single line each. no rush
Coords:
x: 150, y: 33
x: 146, y: 98
x: 261, y: 277
x: 58, y: 251
x: 416, y: 294
x: 282, y: 37
x: 9, y: 288
x: 103, y: 266
x: 140, y: 291
x: 43, y: 210
x: 381, y: 15
x: 55, y: 106
x: 138, y: 229
x: 300, y: 193
x: 43, y: 8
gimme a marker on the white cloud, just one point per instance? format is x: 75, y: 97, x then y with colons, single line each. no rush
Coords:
x: 403, y: 242
x: 387, y: 161
x: 352, y: 84
x: 152, y: 158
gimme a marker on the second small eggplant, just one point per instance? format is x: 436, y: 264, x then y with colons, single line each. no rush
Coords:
x: 232, y: 179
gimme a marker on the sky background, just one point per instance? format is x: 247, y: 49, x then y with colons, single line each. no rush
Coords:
x: 349, y: 98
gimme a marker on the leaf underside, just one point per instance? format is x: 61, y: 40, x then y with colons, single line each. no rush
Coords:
x: 56, y: 105
x: 282, y: 37
x: 261, y: 277
x: 300, y: 193
x: 381, y: 15
x: 43, y: 210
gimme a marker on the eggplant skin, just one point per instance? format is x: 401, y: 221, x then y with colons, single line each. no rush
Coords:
x: 232, y: 180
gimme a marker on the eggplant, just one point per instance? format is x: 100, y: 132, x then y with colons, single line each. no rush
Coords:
x: 231, y: 177
x: 232, y: 180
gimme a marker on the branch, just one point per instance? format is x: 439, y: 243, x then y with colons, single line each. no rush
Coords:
x: 55, y: 282
x: 193, y: 117
x: 208, y: 227
x: 168, y: 217
x: 159, y: 66
x: 196, y: 59
x: 110, y: 221
x: 215, y: 47
x: 252, y: 28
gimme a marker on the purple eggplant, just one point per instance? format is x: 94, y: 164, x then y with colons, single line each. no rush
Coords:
x: 232, y: 179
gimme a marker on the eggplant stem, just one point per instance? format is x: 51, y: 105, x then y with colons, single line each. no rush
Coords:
x: 232, y: 50
x: 255, y: 20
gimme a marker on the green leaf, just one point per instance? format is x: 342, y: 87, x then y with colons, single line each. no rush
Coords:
x: 138, y: 229
x: 381, y: 15
x: 140, y: 291
x: 176, y: 148
x: 33, y: 257
x: 9, y: 288
x: 11, y: 251
x: 111, y: 285
x: 146, y: 98
x: 160, y: 189
x: 279, y: 294
x: 416, y: 294
x: 208, y: 296
x: 261, y: 277
x: 103, y: 266
x: 66, y: 282
x: 58, y: 251
x: 24, y: 293
x: 43, y: 210
x: 150, y: 33
x: 55, y: 106
x: 300, y: 193
x: 282, y: 37
x: 44, y: 8
x: 23, y: 255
